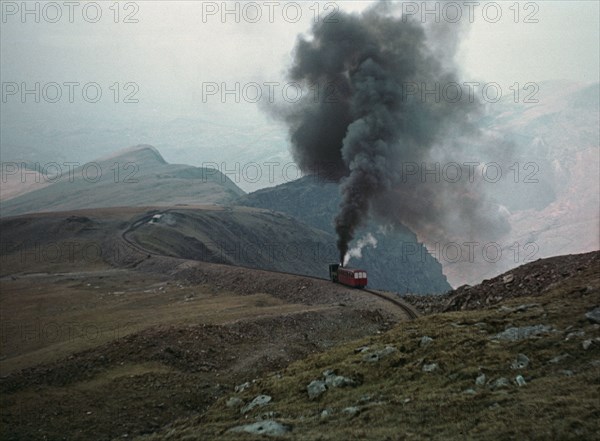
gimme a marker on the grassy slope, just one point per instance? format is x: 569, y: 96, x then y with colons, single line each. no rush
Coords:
x: 398, y: 400
x: 93, y: 348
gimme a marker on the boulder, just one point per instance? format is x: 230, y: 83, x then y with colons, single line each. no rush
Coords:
x: 425, y: 341
x: 521, y: 362
x: 352, y: 410
x: 520, y: 381
x: 431, y: 367
x: 259, y: 401
x: 521, y: 333
x: 500, y: 383
x: 593, y: 315
x: 508, y: 278
x: 378, y: 355
x: 267, y: 427
x: 316, y: 388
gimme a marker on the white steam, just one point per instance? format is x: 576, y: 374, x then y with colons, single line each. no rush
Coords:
x: 356, y: 251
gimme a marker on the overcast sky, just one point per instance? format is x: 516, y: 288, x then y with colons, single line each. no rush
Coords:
x: 170, y: 50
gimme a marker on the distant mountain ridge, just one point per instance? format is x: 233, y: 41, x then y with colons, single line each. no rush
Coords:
x: 135, y: 176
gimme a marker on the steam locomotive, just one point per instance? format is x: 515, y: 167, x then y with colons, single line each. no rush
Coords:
x: 356, y: 278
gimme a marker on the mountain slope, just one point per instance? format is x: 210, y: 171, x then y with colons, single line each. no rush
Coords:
x: 397, y: 263
x: 524, y: 369
x: 240, y: 236
x: 137, y: 176
x: 102, y: 340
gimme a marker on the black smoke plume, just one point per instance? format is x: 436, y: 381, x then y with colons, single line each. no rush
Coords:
x: 366, y: 121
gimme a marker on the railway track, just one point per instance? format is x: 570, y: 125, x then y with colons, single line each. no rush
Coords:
x: 410, y: 311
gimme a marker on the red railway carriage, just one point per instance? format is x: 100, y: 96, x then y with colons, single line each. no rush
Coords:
x: 348, y: 276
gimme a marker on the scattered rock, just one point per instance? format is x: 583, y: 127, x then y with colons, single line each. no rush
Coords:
x: 352, y: 410
x: 315, y: 388
x: 425, y: 341
x: 574, y: 334
x: 559, y: 358
x: 470, y: 391
x: 508, y: 278
x: 521, y: 362
x: 365, y: 398
x: 593, y: 315
x: 520, y: 381
x: 430, y: 367
x: 268, y: 427
x: 333, y: 380
x: 587, y: 344
x: 567, y: 372
x: 378, y: 355
x: 326, y: 413
x: 268, y: 415
x: 371, y: 358
x: 259, y: 401
x: 525, y: 307
x: 361, y: 349
x: 480, y: 380
x: 242, y: 387
x: 386, y: 351
x: 521, y: 333
x: 500, y: 383
x: 330, y: 380
x: 234, y: 402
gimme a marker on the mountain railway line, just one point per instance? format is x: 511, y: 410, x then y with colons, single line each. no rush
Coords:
x: 409, y: 310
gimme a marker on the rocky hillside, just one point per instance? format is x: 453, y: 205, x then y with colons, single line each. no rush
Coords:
x: 526, y: 368
x: 138, y: 176
x: 533, y: 279
x: 396, y: 263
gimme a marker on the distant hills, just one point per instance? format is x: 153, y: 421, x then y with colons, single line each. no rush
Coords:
x: 548, y: 151
x: 137, y: 176
x: 288, y: 229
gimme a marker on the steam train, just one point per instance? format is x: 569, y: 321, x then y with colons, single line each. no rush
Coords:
x: 356, y: 278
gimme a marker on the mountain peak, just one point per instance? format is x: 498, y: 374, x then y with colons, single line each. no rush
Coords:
x: 137, y: 153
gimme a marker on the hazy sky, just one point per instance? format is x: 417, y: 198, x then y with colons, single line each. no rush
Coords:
x: 165, y: 53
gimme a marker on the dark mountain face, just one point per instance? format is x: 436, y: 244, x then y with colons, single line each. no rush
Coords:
x: 398, y: 262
